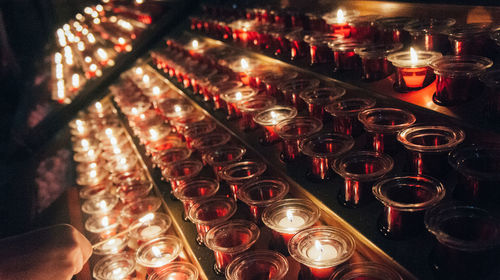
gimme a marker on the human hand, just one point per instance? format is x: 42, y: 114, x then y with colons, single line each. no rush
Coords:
x: 55, y: 252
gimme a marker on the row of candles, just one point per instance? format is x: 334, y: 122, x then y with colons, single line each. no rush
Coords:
x: 373, y: 46
x: 248, y: 91
x: 87, y: 45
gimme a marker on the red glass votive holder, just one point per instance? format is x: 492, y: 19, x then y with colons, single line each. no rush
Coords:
x: 210, y: 141
x: 219, y: 88
x: 175, y: 108
x: 458, y: 78
x: 478, y: 174
x: 391, y: 30
x: 430, y: 34
x: 257, y: 195
x: 374, y: 63
x: 298, y: 47
x: 243, y: 66
x: 181, y: 172
x: 180, y: 124
x: 468, y: 241
x: 291, y: 90
x: 287, y: 217
x: 194, y: 191
x: 197, y: 130
x: 319, y: 48
x: 320, y: 250
x: 233, y: 96
x: 166, y: 143
x: 104, y: 225
x: 338, y: 21
x: 207, y: 82
x: 383, y: 124
x: 269, y: 118
x: 363, y: 28
x: 360, y: 170
x: 292, y: 131
x: 322, y: 150
x: 170, y: 156
x: 472, y: 39
x: 317, y: 99
x: 210, y: 212
x: 429, y: 147
x: 116, y: 266
x: 344, y: 57
x: 239, y: 173
x: 145, y: 231
x: 366, y: 270
x: 405, y: 200
x: 222, y: 156
x: 230, y: 239
x: 345, y: 114
x: 242, y: 32
x: 258, y: 264
x: 249, y: 108
x: 155, y: 254
x: 132, y: 190
x: 138, y: 209
x: 176, y: 270
x: 491, y: 80
x: 412, y: 73
x: 269, y: 79
x: 100, y: 204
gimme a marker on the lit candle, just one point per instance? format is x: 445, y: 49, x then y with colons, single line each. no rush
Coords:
x: 290, y: 222
x: 75, y: 82
x: 150, y: 232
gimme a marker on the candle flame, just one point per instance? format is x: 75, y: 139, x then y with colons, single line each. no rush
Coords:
x: 340, y: 16
x: 99, y: 7
x: 93, y: 67
x: 113, y: 141
x: 108, y: 131
x: 98, y: 105
x: 60, y: 89
x: 90, y: 37
x: 134, y: 111
x: 102, y: 54
x: 92, y: 173
x: 156, y: 91
x: 139, y: 1
x: 75, y: 81
x: 145, y: 79
x: 57, y: 58
x: 88, y: 59
x: 146, y: 218
x: 93, y: 165
x: 103, y: 204
x: 139, y: 71
x: 177, y: 108
x: 91, y: 153
x: 195, y: 44
x: 96, y: 21
x: 121, y: 41
x: 79, y: 122
x: 81, y: 46
x: 244, y: 63
x: 154, y: 134
x: 156, y: 251
x: 116, y: 150
x: 105, y: 222
x: 122, y: 160
x: 413, y: 56
x: 118, y: 270
x: 80, y: 129
x: 239, y: 95
x: 289, y: 215
x: 85, y: 143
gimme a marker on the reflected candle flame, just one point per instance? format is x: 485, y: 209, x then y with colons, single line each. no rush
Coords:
x: 413, y: 56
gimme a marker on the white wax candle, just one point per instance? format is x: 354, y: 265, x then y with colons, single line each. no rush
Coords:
x: 322, y: 252
x: 150, y: 232
x: 291, y: 221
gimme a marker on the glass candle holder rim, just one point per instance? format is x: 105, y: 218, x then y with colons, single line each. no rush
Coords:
x: 260, y: 169
x: 201, y: 145
x: 272, y: 257
x: 393, y: 22
x: 177, y: 268
x: 289, y: 204
x: 332, y: 18
x: 322, y: 38
x: 438, y: 189
x: 186, y: 108
x: 403, y: 59
x: 87, y: 191
x: 365, y: 269
x: 220, y: 76
x: 445, y: 211
x: 282, y: 187
x: 209, y: 155
x: 460, y: 65
x: 164, y: 221
x: 246, y: 105
x: 110, y: 200
x: 380, y: 51
x: 386, y: 162
x: 346, y: 45
x: 458, y: 157
x: 454, y: 136
x: 143, y: 187
x: 200, y: 46
x: 237, y: 66
x: 335, y: 110
x: 495, y: 34
x: 323, y: 95
x: 195, y: 168
x: 363, y: 19
x: 244, y: 225
x: 154, y: 201
x: 207, y: 126
x: 184, y: 151
x: 102, y: 250
x: 491, y: 78
x: 469, y: 30
x: 271, y: 74
x: 363, y: 117
x: 260, y: 116
x: 195, y: 116
x: 429, y: 25
x: 229, y: 203
x: 232, y: 96
x: 97, y: 220
x: 179, y: 192
x: 226, y: 85
x: 315, y: 123
x: 126, y: 258
x: 302, y: 238
x: 346, y: 140
x: 175, y: 247
x: 285, y: 86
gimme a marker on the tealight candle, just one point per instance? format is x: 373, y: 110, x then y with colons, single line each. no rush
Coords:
x: 130, y: 190
x: 287, y: 217
x: 412, y: 71
x: 139, y: 208
x: 113, y: 245
x: 157, y: 253
x: 104, y: 225
x: 243, y: 67
x: 269, y: 118
x: 115, y: 266
x: 338, y: 21
x: 99, y: 204
x: 319, y: 49
x: 146, y: 231
x: 320, y: 250
x: 392, y: 29
x: 170, y: 156
x: 207, y: 142
x: 176, y: 270
x: 197, y: 130
x: 233, y: 97
x: 317, y: 99
x: 249, y: 108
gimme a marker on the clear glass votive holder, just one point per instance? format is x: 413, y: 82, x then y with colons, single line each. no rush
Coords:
x: 366, y: 270
x: 430, y: 33
x: 176, y: 270
x: 491, y: 80
x: 145, y: 231
x: 230, y: 239
x: 116, y: 266
x: 269, y: 118
x: 249, y: 108
x: 405, y: 200
x: 132, y: 190
x: 233, y: 96
x: 170, y: 156
x: 258, y: 264
x: 321, y: 150
x: 138, y: 209
x: 291, y: 90
x: 360, y: 170
x: 155, y: 254
x: 100, y: 204
x: 391, y: 29
x: 210, y: 141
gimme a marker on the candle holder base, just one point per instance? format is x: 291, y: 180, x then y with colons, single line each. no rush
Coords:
x: 436, y: 100
x: 218, y: 271
x: 315, y: 179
